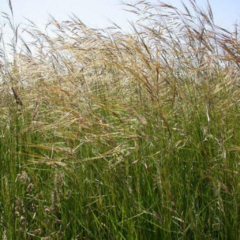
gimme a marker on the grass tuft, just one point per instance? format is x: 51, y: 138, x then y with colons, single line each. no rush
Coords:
x: 108, y: 135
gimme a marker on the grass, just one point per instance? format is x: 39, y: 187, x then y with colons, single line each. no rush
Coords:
x: 108, y: 135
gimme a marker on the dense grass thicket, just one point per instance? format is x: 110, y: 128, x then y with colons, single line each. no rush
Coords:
x: 108, y: 135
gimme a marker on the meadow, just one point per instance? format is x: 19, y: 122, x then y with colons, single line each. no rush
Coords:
x: 113, y: 135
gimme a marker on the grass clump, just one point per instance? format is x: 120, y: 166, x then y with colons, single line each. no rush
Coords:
x: 107, y: 135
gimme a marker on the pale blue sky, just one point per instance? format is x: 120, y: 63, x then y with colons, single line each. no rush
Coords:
x: 96, y: 12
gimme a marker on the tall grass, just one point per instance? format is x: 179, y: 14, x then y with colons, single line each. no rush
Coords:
x: 108, y: 135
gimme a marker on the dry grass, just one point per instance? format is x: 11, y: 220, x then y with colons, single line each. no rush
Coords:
x: 106, y: 135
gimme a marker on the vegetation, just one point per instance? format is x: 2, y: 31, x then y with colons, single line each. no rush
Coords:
x: 109, y: 135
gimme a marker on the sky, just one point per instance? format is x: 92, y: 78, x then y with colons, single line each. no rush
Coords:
x: 97, y: 13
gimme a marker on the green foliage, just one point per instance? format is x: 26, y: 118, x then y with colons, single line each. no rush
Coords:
x: 115, y: 136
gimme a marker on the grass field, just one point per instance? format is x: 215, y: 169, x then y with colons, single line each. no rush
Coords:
x: 108, y: 135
